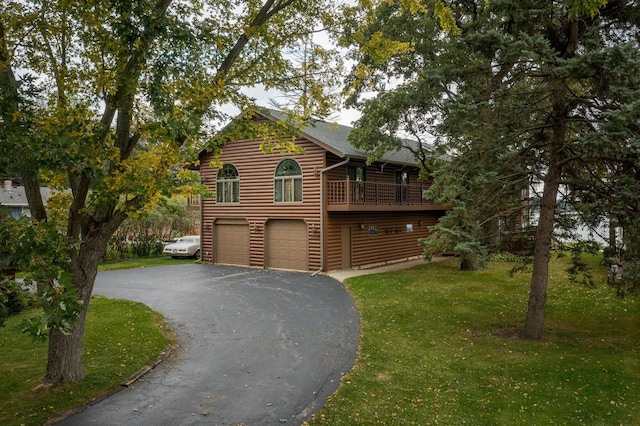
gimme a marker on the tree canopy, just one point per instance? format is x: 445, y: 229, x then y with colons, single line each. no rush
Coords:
x: 519, y: 95
x: 104, y: 100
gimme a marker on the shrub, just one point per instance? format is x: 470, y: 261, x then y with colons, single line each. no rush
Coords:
x: 504, y: 257
x: 14, y: 298
x: 142, y: 236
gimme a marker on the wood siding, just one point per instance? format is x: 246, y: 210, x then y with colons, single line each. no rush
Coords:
x: 341, y: 229
x: 380, y: 173
x: 392, y: 241
x: 256, y: 204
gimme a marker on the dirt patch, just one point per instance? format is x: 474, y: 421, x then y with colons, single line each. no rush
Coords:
x: 507, y: 332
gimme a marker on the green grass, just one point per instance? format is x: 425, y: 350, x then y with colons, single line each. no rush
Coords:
x: 143, y: 262
x: 139, y: 262
x: 438, y: 346
x: 121, y: 338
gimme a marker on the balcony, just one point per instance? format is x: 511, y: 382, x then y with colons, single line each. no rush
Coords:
x: 347, y: 195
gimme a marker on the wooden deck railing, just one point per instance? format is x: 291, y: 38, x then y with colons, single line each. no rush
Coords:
x: 351, y: 195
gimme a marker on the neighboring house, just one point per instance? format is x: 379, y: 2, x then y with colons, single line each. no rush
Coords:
x: 322, y: 210
x: 193, y: 203
x: 14, y: 199
x: 601, y: 233
x: 193, y: 206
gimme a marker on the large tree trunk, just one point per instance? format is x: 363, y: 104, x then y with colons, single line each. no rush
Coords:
x: 65, y: 359
x: 541, y: 252
x: 468, y: 263
x: 64, y: 363
x: 544, y: 232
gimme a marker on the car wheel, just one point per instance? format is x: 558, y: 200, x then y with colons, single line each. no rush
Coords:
x: 197, y: 255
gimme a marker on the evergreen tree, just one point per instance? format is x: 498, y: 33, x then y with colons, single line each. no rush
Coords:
x: 514, y: 92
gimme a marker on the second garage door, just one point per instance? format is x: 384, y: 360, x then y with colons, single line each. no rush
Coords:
x: 287, y: 244
x: 231, y: 242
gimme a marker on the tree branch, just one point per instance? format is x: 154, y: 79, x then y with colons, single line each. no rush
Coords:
x: 10, y: 87
x: 266, y: 12
x: 132, y: 68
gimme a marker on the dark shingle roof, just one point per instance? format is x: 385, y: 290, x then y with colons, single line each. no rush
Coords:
x: 334, y: 137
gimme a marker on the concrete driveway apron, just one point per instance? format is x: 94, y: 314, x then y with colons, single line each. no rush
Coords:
x: 256, y: 347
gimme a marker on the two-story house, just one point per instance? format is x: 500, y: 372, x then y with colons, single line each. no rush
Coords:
x: 322, y: 210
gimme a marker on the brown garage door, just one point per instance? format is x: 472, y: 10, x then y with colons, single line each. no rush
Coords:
x: 287, y: 245
x: 231, y: 241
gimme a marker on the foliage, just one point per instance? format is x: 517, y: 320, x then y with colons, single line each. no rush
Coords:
x: 439, y: 346
x: 630, y: 280
x: 143, y: 235
x: 106, y: 100
x: 122, y: 337
x: 14, y: 298
x: 61, y: 307
x: 41, y: 252
x: 504, y: 257
x: 579, y: 271
x: 532, y: 106
x: 315, y: 91
x: 451, y: 235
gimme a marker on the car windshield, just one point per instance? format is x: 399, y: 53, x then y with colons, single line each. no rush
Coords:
x: 187, y: 240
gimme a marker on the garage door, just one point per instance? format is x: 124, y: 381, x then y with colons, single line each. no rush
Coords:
x: 287, y: 245
x: 231, y: 242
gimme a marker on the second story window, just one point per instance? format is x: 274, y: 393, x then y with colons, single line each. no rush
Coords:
x: 228, y: 185
x: 288, y: 182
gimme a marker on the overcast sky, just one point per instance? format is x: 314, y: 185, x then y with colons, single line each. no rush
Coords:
x: 344, y: 116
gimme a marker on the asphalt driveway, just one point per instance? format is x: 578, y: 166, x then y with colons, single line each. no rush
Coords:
x: 257, y: 347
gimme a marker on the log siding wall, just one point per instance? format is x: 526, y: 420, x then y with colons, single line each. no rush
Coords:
x: 256, y: 171
x: 392, y: 241
x: 257, y: 206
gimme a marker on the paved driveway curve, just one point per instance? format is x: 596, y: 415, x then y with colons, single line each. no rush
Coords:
x: 257, y: 347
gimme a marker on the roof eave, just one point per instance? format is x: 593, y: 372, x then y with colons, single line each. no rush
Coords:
x: 264, y: 113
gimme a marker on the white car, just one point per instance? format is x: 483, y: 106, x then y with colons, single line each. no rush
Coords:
x: 188, y: 246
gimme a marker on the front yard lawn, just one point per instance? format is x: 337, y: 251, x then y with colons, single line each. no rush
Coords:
x: 440, y: 346
x: 143, y: 262
x: 121, y: 337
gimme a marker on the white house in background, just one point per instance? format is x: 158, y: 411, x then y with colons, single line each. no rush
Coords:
x: 14, y: 199
x: 581, y: 232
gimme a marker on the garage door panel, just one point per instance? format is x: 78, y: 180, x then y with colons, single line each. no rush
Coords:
x: 232, y: 244
x: 287, y: 244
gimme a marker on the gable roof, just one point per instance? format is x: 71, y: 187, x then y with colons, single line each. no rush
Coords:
x: 17, y: 197
x: 335, y: 138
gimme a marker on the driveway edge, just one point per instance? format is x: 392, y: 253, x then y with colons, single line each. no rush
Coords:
x: 166, y: 352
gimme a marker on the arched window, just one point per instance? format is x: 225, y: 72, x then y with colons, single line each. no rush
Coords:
x: 228, y: 185
x: 288, y: 182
